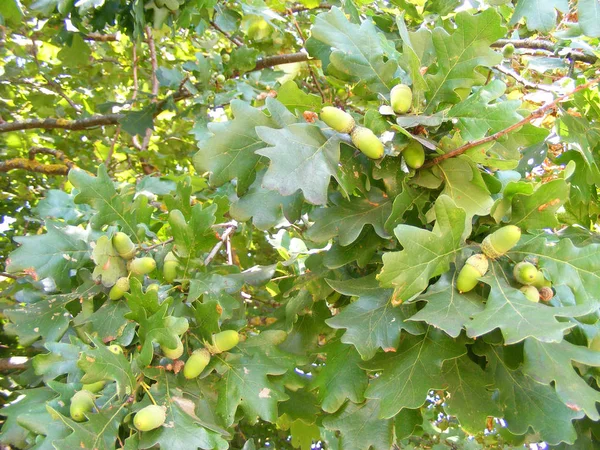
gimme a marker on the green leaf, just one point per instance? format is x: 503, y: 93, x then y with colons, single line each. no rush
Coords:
x: 76, y: 54
x: 446, y: 308
x: 109, y: 264
x: 340, y: 378
x: 108, y: 322
x: 408, y: 199
x: 371, y: 322
x: 459, y: 55
x: 111, y: 206
x: 100, y: 431
x: 59, y: 205
x: 361, y: 250
x: 230, y: 152
x: 137, y: 122
x: 414, y: 57
x: 553, y: 363
x: 102, y: 364
x: 33, y: 403
x: 61, y: 360
x: 266, y: 208
x: 527, y: 403
x: 538, y: 210
x: 47, y: 318
x: 426, y: 253
x: 358, y: 50
x: 347, y: 219
x: 11, y: 12
x: 301, y: 158
x: 294, y: 99
x: 245, y: 384
x: 51, y: 255
x: 407, y: 375
x: 464, y: 185
x: 540, y: 15
x: 517, y: 317
x: 304, y: 435
x: 360, y: 427
x: 588, y: 13
x: 470, y: 400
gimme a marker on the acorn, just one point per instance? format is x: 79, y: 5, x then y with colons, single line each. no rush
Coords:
x: 178, y: 325
x: 339, y: 120
x: 81, y: 403
x: 546, y: 294
x: 196, y: 363
x: 150, y: 417
x: 142, y: 266
x: 531, y: 293
x: 475, y: 267
x: 123, y: 245
x: 414, y: 155
x: 224, y: 341
x: 501, y: 241
x: 525, y: 272
x: 401, y: 98
x: 366, y: 141
x: 119, y: 289
x: 540, y: 281
x: 508, y: 50
x: 170, y: 266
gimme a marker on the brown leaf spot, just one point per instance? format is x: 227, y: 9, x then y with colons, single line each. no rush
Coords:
x: 310, y: 116
x: 573, y: 407
x: 265, y: 393
x: 32, y: 273
x: 219, y: 309
x: 389, y: 349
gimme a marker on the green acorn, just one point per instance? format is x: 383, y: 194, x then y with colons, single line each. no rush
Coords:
x: 123, y: 245
x: 94, y: 387
x: 196, y: 363
x: 170, y: 266
x: 366, y: 141
x: 525, y: 272
x: 173, y: 353
x: 508, y: 50
x: 81, y: 403
x: 540, y: 281
x: 142, y: 266
x: 401, y: 98
x: 531, y: 293
x: 119, y: 289
x: 475, y: 267
x: 414, y: 155
x: 339, y: 120
x: 224, y: 341
x: 500, y: 241
x: 150, y: 417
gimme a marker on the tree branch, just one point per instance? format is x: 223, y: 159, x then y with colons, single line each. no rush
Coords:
x: 6, y: 365
x: 277, y: 60
x: 33, y: 166
x: 540, y: 112
x: 100, y: 37
x: 234, y: 40
x: 525, y: 82
x: 539, y: 44
x: 224, y: 237
x: 297, y: 9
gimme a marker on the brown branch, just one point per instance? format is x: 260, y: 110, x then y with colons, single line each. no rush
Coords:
x: 112, y: 146
x: 33, y: 166
x: 524, y: 81
x: 234, y: 40
x: 100, y: 37
x: 7, y: 366
x: 540, y: 44
x: 51, y: 151
x: 224, y: 237
x: 163, y: 243
x: 297, y: 9
x: 540, y: 112
x: 277, y: 60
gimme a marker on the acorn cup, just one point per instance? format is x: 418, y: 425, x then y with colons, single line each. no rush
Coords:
x: 150, y: 417
x: 501, y: 241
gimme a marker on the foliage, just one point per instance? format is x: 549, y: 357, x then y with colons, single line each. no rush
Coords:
x: 193, y: 128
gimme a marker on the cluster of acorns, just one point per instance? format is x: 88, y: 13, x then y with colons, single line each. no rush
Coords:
x: 494, y: 246
x: 365, y: 140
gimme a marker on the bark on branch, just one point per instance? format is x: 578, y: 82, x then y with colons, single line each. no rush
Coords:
x: 540, y: 112
x: 7, y: 366
x: 31, y: 165
x: 540, y: 44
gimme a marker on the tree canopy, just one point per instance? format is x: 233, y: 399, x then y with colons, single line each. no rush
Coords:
x: 262, y: 224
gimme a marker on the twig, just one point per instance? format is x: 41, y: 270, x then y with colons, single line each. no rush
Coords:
x: 312, y: 73
x: 224, y: 237
x: 112, y: 146
x: 234, y: 40
x: 534, y: 115
x: 525, y: 82
x: 6, y: 365
x: 50, y: 151
x: 154, y: 64
x: 31, y: 165
x: 540, y: 44
x: 297, y: 9
x: 277, y: 60
x: 151, y: 247
x: 100, y: 37
x: 9, y: 275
